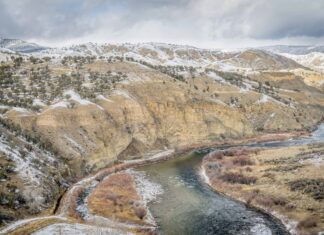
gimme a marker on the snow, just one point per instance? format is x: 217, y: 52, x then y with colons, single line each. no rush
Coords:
x: 313, y: 60
x: 248, y: 87
x: 260, y: 229
x: 73, y: 96
x: 4, y: 56
x: 20, y: 223
x: 76, y: 97
x: 4, y: 107
x: 265, y: 98
x: 20, y: 110
x: 23, y: 166
x: 216, y: 77
x: 38, y: 102
x: 101, y: 97
x: 78, y: 229
x: 204, y: 176
x: 148, y: 190
x: 60, y: 104
x: 123, y: 93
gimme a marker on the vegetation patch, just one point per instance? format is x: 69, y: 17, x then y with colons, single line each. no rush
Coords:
x: 313, y: 187
x: 237, y: 178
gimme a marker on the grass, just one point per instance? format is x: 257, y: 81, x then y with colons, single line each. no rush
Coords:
x: 116, y: 197
x: 287, y: 180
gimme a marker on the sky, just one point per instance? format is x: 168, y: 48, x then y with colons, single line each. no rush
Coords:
x: 201, y: 23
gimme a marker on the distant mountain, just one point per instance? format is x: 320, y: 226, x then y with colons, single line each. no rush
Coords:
x: 295, y: 50
x: 179, y: 55
x: 166, y: 55
x: 17, y: 45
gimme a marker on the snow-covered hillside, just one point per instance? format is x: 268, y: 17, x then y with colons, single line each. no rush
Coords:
x: 314, y: 60
x: 16, y: 45
x: 161, y: 54
x: 294, y: 50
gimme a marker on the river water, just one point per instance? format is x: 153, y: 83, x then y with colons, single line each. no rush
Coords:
x: 190, y: 206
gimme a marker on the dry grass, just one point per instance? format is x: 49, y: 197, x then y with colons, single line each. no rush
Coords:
x: 289, y: 181
x: 116, y: 197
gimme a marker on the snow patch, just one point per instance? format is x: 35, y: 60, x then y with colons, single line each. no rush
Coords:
x: 148, y: 190
x: 123, y: 93
x: 79, y: 229
x: 76, y: 97
x: 60, y: 104
x: 38, y: 102
x: 101, y: 97
x: 260, y: 229
x: 265, y: 98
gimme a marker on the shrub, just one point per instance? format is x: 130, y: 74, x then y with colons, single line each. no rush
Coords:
x: 290, y: 206
x: 309, y: 222
x: 243, y: 161
x: 248, y: 169
x: 213, y: 166
x: 313, y: 187
x: 217, y: 155
x: 269, y: 175
x: 269, y: 201
x: 238, y: 178
x: 279, y: 201
x: 140, y: 212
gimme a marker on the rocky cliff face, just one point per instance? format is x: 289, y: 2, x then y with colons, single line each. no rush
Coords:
x: 133, y: 119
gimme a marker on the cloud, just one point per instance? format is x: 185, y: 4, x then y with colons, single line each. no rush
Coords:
x: 199, y: 22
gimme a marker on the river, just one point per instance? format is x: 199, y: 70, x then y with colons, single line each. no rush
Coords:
x: 190, y: 206
x: 187, y: 205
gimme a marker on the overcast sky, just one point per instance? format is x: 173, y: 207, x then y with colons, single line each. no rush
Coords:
x: 202, y: 23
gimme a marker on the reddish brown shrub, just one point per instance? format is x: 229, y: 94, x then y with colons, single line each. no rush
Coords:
x: 309, y: 222
x: 243, y: 161
x: 279, y: 201
x: 269, y: 201
x: 217, y: 155
x: 140, y: 212
x: 238, y: 178
x: 248, y: 169
x: 290, y: 206
x: 269, y: 175
x: 265, y: 201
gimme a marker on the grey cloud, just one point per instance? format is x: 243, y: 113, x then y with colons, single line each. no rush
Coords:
x: 164, y: 20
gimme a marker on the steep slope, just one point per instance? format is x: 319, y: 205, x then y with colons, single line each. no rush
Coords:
x: 31, y: 177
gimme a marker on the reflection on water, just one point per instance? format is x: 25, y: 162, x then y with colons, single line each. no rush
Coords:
x: 317, y: 136
x: 189, y: 206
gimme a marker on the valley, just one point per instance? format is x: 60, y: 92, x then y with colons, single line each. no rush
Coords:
x: 75, y: 120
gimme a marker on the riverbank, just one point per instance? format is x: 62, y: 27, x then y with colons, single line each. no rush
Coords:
x: 286, y: 182
x: 69, y: 202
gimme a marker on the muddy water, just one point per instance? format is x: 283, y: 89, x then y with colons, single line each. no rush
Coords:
x: 189, y: 206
